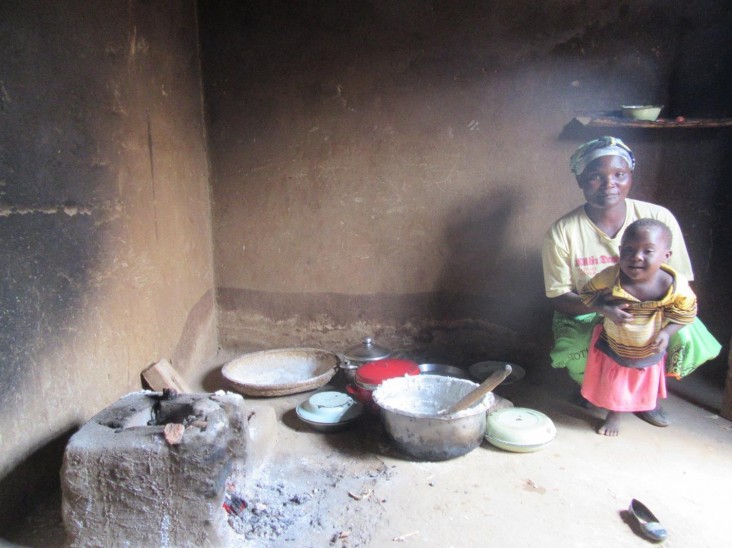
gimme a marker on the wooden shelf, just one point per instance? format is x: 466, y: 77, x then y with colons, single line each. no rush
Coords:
x: 618, y: 122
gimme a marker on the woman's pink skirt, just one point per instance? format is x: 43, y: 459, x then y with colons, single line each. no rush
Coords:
x: 617, y: 388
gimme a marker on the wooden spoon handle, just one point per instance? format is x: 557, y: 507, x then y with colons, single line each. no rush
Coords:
x: 486, y: 386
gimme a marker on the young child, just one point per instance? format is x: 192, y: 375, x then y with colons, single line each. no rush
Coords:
x: 648, y: 303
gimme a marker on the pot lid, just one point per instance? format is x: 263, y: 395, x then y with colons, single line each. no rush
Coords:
x: 373, y: 373
x: 367, y: 350
x: 329, y: 407
x: 520, y: 426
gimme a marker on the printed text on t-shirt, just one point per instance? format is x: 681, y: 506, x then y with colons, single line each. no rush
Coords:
x: 602, y: 259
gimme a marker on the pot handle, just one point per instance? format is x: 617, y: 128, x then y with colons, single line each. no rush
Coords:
x: 346, y: 364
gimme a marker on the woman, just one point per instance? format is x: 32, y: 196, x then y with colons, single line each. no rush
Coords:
x: 586, y: 240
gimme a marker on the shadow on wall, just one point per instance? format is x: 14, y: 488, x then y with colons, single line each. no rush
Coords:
x: 490, y: 294
x: 53, y: 179
x: 198, y: 340
x: 29, y: 484
x: 692, y: 184
x: 46, y: 261
x: 703, y: 90
x: 721, y: 243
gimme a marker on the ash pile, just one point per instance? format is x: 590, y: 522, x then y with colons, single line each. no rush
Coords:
x: 307, y: 504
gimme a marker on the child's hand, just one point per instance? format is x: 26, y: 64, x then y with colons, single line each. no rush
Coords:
x: 660, y: 343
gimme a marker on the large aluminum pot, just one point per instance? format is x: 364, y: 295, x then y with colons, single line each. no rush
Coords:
x: 412, y: 412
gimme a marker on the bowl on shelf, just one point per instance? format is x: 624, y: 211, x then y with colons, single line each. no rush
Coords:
x: 642, y: 112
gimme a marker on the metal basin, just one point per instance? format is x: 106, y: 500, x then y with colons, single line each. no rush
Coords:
x: 441, y: 369
x: 410, y: 410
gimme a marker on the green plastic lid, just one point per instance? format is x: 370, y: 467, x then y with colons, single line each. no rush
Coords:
x: 519, y: 429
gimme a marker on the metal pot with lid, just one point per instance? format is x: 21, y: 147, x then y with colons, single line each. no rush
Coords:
x: 364, y: 352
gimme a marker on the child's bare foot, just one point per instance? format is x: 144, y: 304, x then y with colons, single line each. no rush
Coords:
x: 611, y: 426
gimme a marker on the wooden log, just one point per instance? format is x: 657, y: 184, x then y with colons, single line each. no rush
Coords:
x: 161, y: 375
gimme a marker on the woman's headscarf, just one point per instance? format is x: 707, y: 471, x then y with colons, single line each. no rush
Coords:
x: 604, y: 146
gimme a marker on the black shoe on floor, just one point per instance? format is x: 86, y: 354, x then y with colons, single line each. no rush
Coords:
x: 656, y: 417
x: 647, y: 523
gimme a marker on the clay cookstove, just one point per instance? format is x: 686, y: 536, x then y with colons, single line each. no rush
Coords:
x: 129, y: 480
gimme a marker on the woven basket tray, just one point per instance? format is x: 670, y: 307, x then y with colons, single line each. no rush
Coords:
x: 281, y: 372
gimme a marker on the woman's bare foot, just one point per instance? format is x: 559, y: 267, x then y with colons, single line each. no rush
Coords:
x: 611, y: 426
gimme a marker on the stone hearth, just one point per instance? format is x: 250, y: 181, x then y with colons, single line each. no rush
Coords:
x: 126, y: 482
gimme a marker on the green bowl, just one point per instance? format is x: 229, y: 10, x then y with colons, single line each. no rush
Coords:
x: 642, y: 112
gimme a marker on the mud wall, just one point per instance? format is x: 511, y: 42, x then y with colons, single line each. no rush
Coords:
x: 390, y: 168
x: 382, y: 168
x: 105, y: 254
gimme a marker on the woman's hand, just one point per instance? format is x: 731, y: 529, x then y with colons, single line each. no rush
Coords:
x: 569, y: 304
x: 612, y: 307
x: 616, y: 311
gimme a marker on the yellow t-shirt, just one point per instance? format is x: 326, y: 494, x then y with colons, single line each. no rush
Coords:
x: 574, y: 249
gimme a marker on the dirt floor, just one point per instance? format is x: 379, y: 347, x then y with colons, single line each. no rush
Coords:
x: 351, y: 488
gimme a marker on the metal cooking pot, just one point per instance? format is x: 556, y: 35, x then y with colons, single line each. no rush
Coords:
x: 411, y: 412
x: 364, y: 352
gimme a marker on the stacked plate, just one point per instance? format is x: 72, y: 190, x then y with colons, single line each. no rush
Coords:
x: 329, y: 411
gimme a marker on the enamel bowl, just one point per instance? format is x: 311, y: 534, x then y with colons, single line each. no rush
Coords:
x: 642, y: 112
x: 329, y: 411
